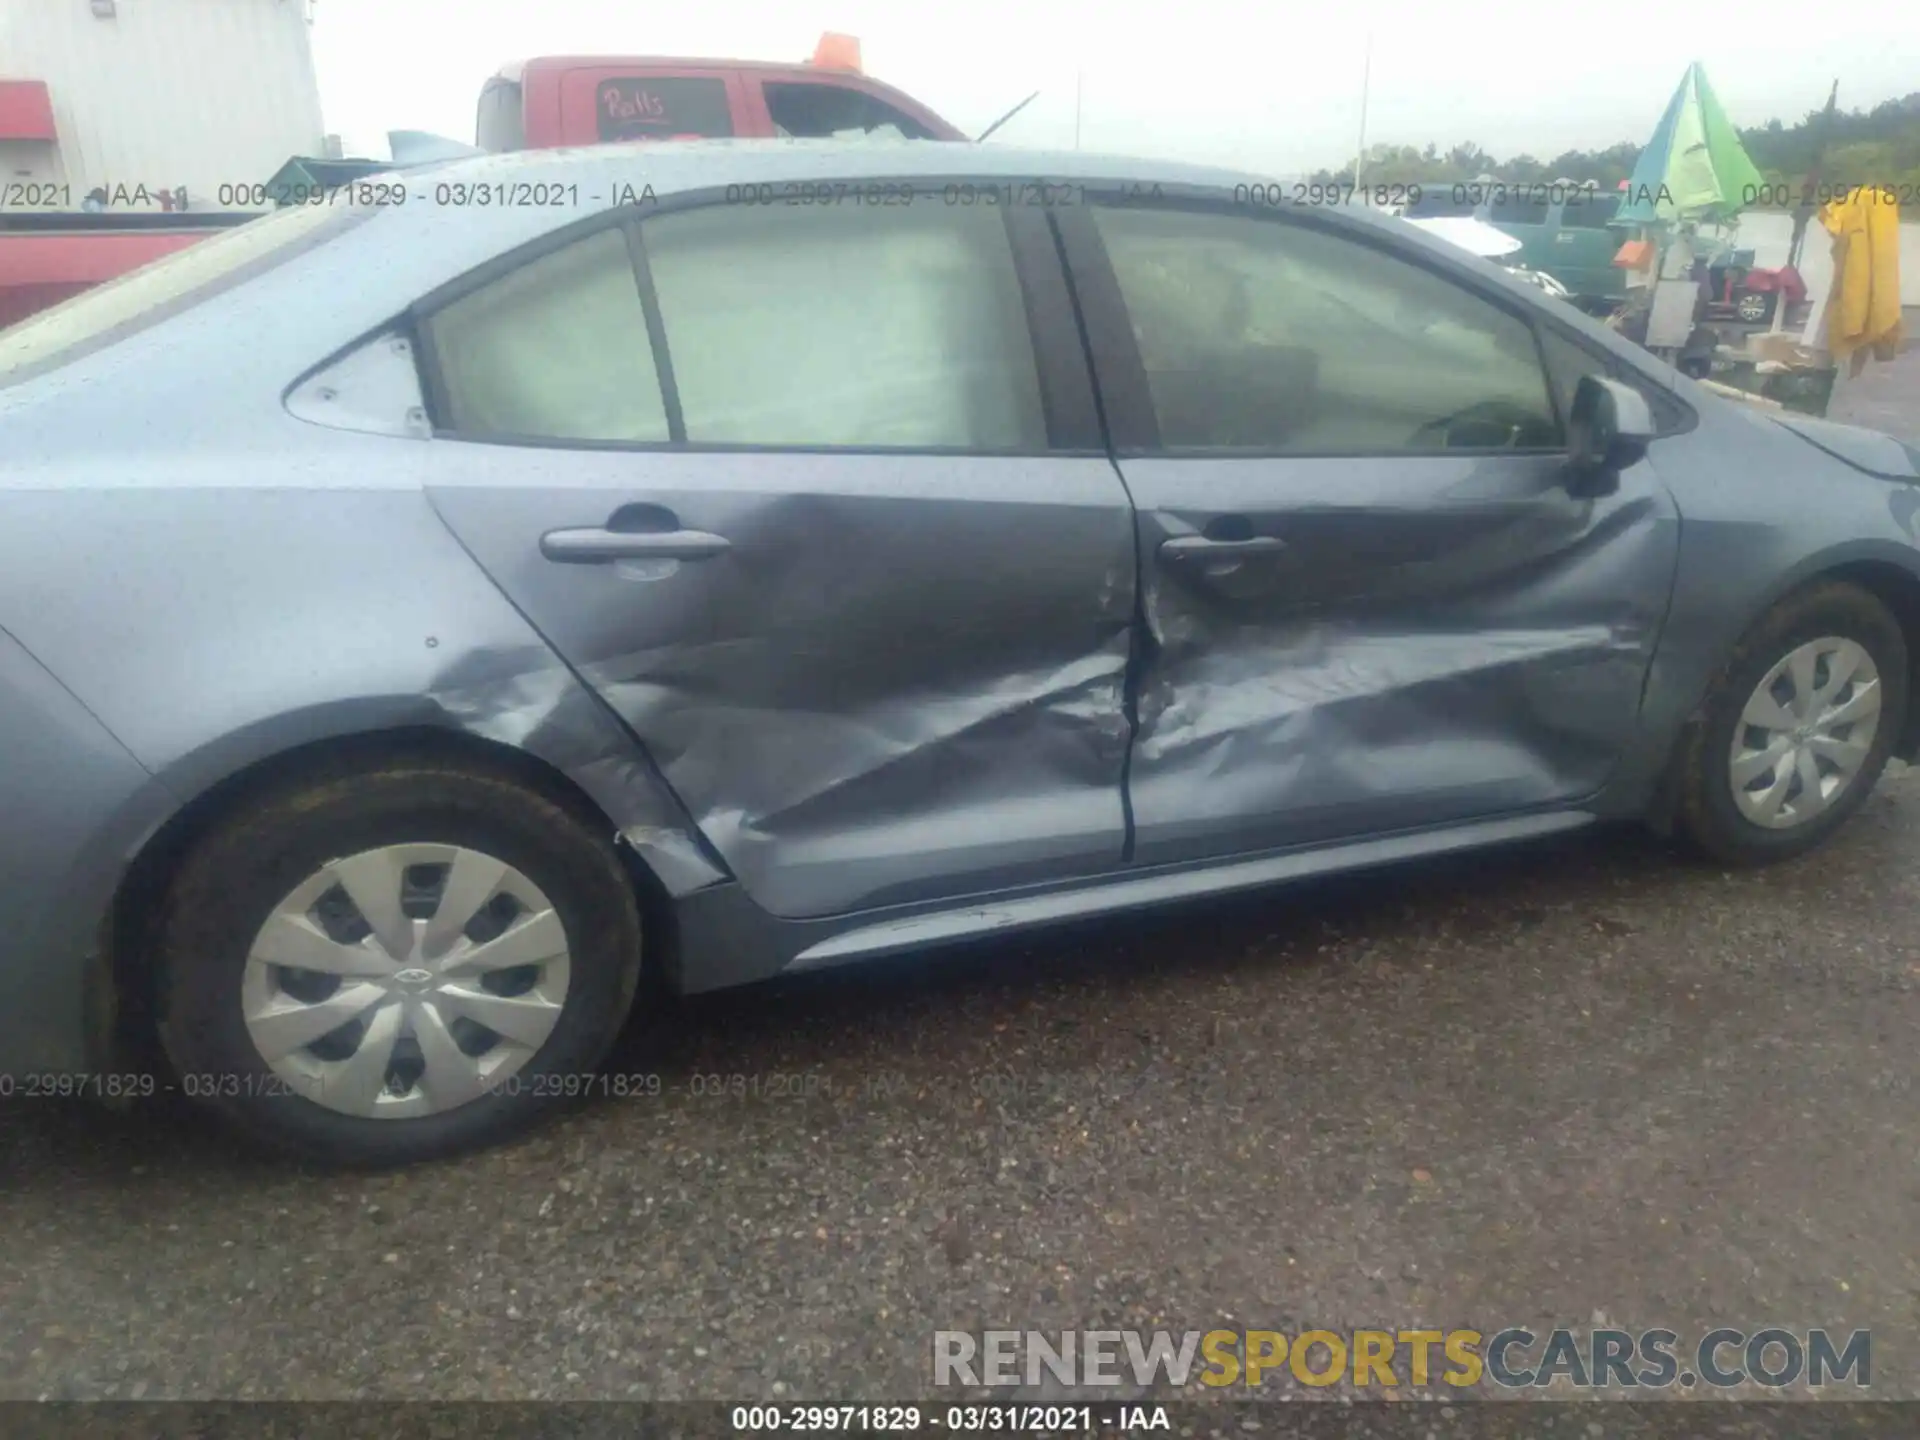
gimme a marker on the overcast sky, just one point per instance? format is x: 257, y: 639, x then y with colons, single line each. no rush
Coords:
x: 1268, y: 87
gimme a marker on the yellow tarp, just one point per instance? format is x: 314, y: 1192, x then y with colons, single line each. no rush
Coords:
x: 1863, y: 314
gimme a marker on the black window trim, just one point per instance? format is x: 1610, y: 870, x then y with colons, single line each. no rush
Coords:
x: 1120, y: 373
x: 1068, y: 405
x: 656, y: 336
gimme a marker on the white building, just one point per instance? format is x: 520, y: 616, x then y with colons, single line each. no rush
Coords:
x: 165, y: 95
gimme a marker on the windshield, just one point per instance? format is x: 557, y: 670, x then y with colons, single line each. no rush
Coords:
x: 139, y: 297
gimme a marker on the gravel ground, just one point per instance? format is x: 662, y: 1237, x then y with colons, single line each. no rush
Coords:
x: 1580, y: 1082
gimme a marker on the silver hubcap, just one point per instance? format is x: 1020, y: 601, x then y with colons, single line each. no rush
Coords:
x: 406, y: 980
x: 1805, y: 733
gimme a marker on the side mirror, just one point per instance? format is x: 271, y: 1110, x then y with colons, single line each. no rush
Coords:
x: 1609, y: 429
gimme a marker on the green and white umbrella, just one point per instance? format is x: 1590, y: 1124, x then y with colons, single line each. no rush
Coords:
x: 1694, y: 168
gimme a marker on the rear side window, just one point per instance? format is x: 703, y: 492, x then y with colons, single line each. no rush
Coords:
x: 662, y: 107
x: 846, y: 326
x: 555, y: 350
x: 837, y: 326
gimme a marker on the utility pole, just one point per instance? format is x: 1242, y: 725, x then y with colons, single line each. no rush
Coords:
x: 1366, y: 77
x: 1079, y: 76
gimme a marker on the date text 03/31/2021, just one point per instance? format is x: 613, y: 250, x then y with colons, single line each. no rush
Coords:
x: 961, y: 1419
x: 144, y: 1085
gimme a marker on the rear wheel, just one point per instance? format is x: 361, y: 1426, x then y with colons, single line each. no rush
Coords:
x: 1797, y: 729
x: 395, y: 964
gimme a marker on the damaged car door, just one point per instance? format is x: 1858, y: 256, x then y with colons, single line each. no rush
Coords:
x: 814, y: 497
x: 1374, y: 598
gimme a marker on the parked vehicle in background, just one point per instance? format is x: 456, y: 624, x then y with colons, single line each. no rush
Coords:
x: 591, y: 100
x: 1738, y: 290
x: 1562, y: 229
x: 51, y: 253
x: 1476, y: 237
x: 50, y: 256
x: 427, y: 633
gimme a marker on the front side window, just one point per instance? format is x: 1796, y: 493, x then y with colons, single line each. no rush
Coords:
x: 846, y: 325
x: 555, y: 350
x: 1282, y: 338
x: 824, y: 110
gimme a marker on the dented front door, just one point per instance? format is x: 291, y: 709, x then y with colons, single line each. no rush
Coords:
x: 1372, y: 600
x: 1342, y: 647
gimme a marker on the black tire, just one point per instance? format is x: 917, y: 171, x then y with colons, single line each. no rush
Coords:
x: 226, y: 887
x: 1708, y: 814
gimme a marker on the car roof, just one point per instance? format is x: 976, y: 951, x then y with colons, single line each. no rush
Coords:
x: 674, y: 166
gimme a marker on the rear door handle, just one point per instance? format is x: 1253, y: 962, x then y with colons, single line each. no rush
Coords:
x: 1200, y: 547
x: 601, y: 547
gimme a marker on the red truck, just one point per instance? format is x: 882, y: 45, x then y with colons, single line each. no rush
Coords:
x: 47, y: 256
x: 589, y: 100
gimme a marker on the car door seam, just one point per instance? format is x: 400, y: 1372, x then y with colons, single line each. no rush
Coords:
x: 1138, y: 636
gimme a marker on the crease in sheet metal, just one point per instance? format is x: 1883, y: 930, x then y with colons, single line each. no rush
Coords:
x: 520, y: 696
x: 1394, y: 665
x: 1032, y: 752
x: 878, y: 693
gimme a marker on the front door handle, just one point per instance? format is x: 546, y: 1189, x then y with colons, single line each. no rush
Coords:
x: 600, y: 547
x: 1201, y: 547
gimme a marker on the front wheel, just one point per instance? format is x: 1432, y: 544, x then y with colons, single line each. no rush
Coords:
x: 1797, y: 729
x: 397, y: 963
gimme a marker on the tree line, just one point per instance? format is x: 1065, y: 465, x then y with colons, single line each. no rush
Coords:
x: 1880, y: 146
